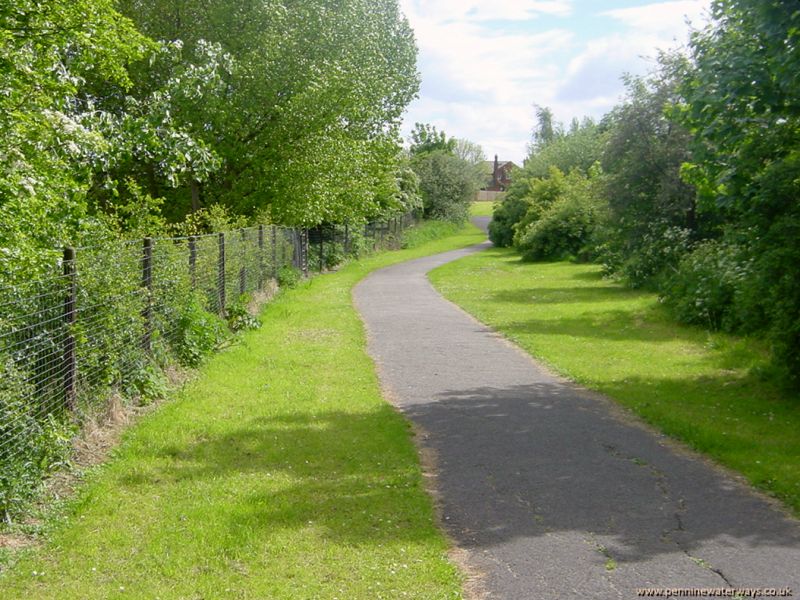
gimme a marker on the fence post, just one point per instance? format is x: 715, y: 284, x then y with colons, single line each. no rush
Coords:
x: 147, y: 285
x: 243, y: 268
x: 304, y: 251
x: 274, y: 253
x: 260, y: 257
x: 221, y: 273
x: 321, y: 248
x: 193, y: 260
x: 70, y: 318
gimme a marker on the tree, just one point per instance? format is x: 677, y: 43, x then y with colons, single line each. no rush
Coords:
x: 741, y: 107
x: 652, y: 210
x: 547, y: 130
x: 447, y: 185
x: 469, y: 151
x: 305, y: 131
x: 425, y: 138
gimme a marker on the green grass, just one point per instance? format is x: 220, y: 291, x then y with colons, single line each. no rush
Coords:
x: 481, y: 209
x: 279, y: 472
x: 698, y: 387
x: 433, y: 230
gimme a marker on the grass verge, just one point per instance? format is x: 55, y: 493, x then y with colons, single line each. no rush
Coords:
x: 481, y: 209
x: 279, y: 472
x: 698, y: 387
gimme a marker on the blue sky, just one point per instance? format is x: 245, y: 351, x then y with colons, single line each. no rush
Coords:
x: 484, y: 64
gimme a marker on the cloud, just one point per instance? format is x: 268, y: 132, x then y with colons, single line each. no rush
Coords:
x: 666, y: 19
x: 593, y: 76
x: 485, y: 64
x: 477, y: 10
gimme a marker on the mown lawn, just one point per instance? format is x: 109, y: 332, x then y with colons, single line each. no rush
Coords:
x: 481, y: 209
x: 279, y: 472
x: 698, y: 387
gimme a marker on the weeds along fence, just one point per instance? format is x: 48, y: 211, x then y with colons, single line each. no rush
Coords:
x: 111, y: 317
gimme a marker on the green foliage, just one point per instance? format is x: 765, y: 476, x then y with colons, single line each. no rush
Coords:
x: 428, y: 231
x: 289, y: 276
x: 306, y: 131
x: 505, y: 216
x: 578, y: 147
x: 198, y: 333
x: 425, y: 139
x: 39, y: 445
x: 652, y: 216
x: 741, y: 106
x: 239, y: 317
x: 148, y: 382
x: 561, y: 221
x: 447, y: 185
x: 544, y: 193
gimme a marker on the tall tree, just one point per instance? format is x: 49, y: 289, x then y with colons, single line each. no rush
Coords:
x: 306, y: 124
x: 741, y: 105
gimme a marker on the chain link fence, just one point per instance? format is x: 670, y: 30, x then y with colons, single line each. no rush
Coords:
x: 110, y: 317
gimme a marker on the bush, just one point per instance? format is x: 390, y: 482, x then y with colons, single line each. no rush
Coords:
x: 649, y: 258
x: 710, y: 285
x: 289, y: 276
x: 31, y: 447
x: 239, y: 318
x: 197, y: 334
x: 561, y: 219
x: 504, y: 217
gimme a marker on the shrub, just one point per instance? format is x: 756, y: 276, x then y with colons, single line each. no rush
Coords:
x: 708, y: 285
x: 32, y: 447
x: 197, y: 334
x: 289, y: 276
x: 504, y: 217
x: 239, y: 318
x: 650, y: 258
x: 560, y: 220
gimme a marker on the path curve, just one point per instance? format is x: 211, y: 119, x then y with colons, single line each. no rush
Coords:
x: 552, y: 494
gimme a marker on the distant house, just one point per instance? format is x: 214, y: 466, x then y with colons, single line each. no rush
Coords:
x: 499, y: 175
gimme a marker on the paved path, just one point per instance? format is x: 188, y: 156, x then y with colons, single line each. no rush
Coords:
x: 551, y: 494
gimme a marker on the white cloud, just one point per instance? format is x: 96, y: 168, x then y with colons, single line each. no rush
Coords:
x: 593, y: 77
x: 484, y: 64
x: 478, y: 10
x: 667, y: 19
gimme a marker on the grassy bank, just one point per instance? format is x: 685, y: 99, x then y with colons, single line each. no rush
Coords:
x: 279, y: 472
x: 481, y: 209
x: 698, y: 387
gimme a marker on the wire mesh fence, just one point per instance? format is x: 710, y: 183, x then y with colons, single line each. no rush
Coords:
x: 107, y: 316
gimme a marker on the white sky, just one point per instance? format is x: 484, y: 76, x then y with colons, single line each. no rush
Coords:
x: 485, y: 64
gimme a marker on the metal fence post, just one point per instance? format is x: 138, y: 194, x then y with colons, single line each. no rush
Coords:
x: 147, y: 285
x: 304, y: 251
x: 274, y: 253
x: 243, y: 267
x: 221, y: 273
x: 321, y: 249
x: 193, y: 260
x: 70, y: 318
x: 260, y: 257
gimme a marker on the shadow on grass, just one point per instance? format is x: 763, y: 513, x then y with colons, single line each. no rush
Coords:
x: 353, y: 476
x: 539, y: 459
x: 563, y: 295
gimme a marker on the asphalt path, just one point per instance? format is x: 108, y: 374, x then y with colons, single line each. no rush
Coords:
x: 552, y: 491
